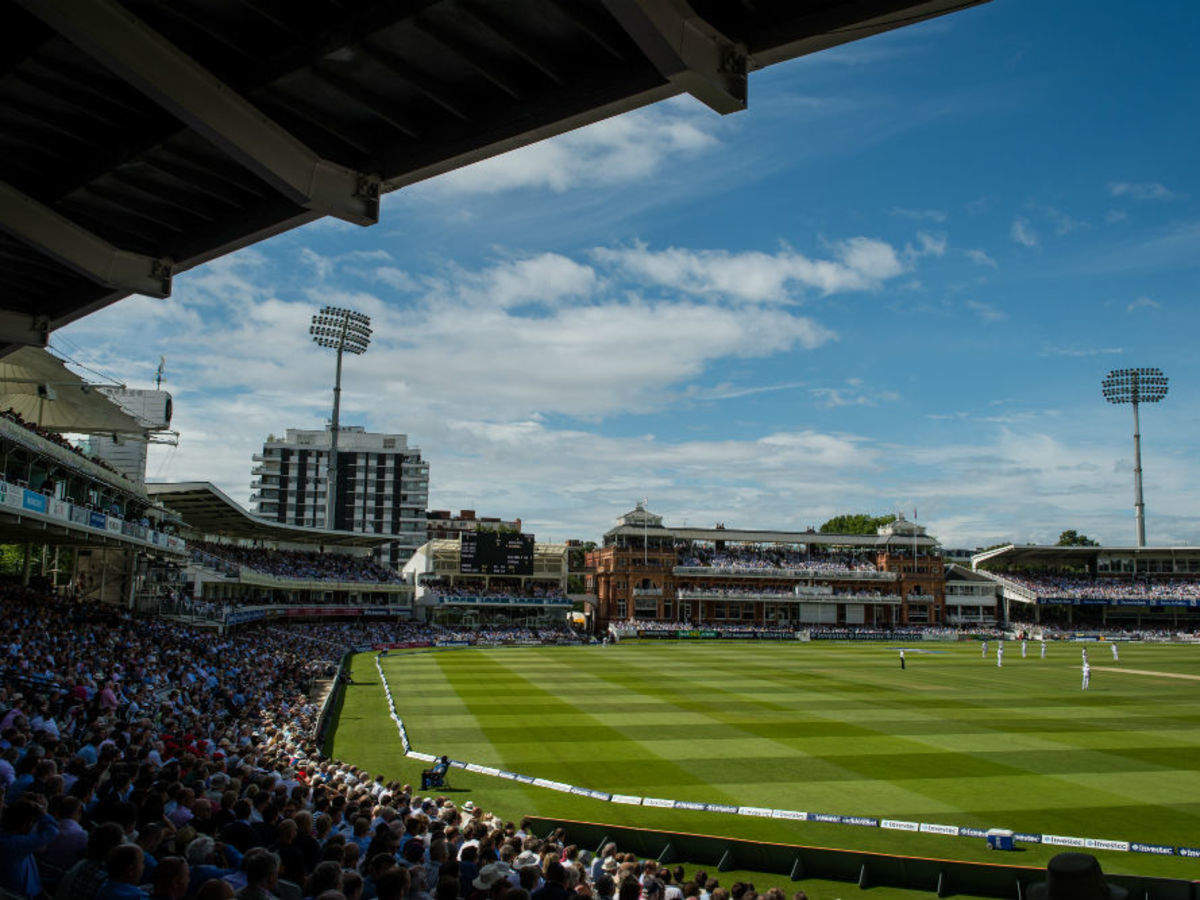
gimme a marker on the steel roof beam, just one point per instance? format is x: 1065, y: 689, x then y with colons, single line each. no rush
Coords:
x: 686, y: 50
x: 152, y: 64
x: 74, y: 246
x: 25, y: 330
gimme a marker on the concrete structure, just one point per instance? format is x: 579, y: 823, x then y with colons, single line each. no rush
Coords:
x: 382, y: 486
x: 972, y: 598
x: 443, y: 525
x: 127, y: 453
x: 646, y: 570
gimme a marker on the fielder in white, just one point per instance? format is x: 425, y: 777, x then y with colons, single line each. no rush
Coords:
x: 1087, y: 676
x: 1000, y: 656
x: 1043, y: 649
x: 1116, y: 658
x: 1022, y: 649
x: 984, y: 654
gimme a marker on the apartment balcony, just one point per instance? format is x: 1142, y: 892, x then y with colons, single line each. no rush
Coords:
x: 647, y: 592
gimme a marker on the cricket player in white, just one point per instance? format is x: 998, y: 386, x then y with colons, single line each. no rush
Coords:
x: 1000, y: 655
x: 1116, y: 658
x: 1043, y: 648
x: 1022, y: 649
x: 984, y: 654
x: 1085, y: 662
x: 1087, y: 676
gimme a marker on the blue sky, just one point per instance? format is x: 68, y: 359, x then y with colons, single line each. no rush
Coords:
x: 893, y: 283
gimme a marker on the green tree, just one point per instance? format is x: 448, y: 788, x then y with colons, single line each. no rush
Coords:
x: 1072, y: 538
x: 856, y: 523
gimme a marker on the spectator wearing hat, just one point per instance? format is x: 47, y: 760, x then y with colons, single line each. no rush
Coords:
x: 1075, y: 876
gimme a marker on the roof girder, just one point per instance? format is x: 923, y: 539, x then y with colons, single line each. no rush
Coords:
x: 149, y: 62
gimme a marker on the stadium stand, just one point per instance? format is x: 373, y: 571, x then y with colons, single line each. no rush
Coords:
x: 136, y: 752
x: 772, y: 579
x: 1125, y: 589
x: 308, y: 565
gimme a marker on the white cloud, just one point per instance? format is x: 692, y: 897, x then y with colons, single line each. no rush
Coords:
x: 1142, y: 303
x: 852, y: 393
x: 919, y: 215
x: 928, y: 245
x: 981, y: 258
x: 1062, y: 222
x: 1022, y: 232
x: 1081, y: 352
x: 859, y: 264
x: 1140, y: 190
x: 987, y: 312
x: 622, y: 149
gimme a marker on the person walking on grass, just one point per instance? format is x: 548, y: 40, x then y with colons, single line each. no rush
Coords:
x: 984, y: 654
x: 1022, y: 648
x: 1116, y: 656
x: 1087, y: 676
x: 1000, y: 655
x: 901, y: 657
x: 1043, y: 648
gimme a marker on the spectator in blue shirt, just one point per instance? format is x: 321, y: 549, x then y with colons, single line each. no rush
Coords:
x: 125, y: 865
x: 25, y: 828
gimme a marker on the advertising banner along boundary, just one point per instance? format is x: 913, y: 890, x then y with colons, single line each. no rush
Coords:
x: 762, y: 812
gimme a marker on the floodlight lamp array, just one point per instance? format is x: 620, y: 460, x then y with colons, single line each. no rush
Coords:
x: 341, y: 329
x: 1144, y: 385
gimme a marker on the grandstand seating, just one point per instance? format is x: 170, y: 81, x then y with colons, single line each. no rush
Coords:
x: 1107, y: 588
x: 129, y: 740
x: 55, y: 438
x: 754, y: 557
x: 302, y: 565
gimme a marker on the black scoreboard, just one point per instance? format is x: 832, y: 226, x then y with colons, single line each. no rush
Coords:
x: 496, y: 553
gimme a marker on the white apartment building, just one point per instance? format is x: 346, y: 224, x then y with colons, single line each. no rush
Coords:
x: 382, y: 485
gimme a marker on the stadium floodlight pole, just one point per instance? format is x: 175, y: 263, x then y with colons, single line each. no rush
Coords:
x: 1136, y: 386
x: 345, y: 331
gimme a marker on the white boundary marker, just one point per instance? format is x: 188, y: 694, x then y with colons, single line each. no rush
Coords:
x: 794, y: 815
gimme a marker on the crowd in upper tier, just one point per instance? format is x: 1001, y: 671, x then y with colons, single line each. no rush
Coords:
x: 55, y: 438
x: 757, y: 557
x: 1106, y: 587
x: 141, y: 759
x: 752, y: 593
x: 534, y: 589
x: 310, y: 566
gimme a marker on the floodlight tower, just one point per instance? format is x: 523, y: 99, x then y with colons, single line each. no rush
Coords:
x: 1136, y: 386
x: 345, y: 331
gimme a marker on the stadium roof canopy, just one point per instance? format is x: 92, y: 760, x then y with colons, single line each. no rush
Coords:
x: 44, y: 391
x: 207, y: 509
x: 1051, y: 554
x: 142, y: 138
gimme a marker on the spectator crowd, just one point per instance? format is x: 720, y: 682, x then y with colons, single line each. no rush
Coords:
x: 1116, y: 587
x: 306, y: 565
x: 55, y: 438
x: 142, y: 759
x: 761, y: 557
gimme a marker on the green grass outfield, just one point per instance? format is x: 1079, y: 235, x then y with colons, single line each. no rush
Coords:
x: 834, y: 728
